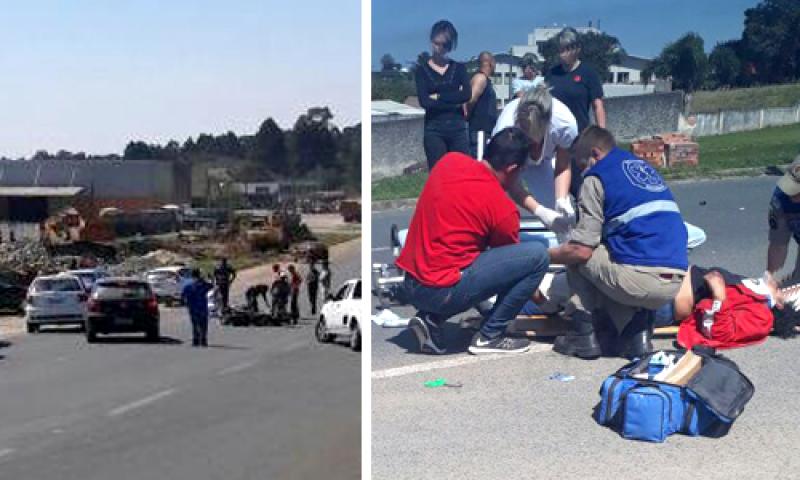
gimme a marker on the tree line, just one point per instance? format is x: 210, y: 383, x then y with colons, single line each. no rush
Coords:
x: 313, y: 148
x: 767, y: 52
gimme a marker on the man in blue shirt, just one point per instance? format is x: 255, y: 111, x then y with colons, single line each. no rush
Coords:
x: 626, y: 257
x: 195, y: 297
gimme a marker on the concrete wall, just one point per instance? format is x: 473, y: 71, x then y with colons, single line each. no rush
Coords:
x: 630, y: 117
x: 396, y: 144
x: 728, y: 121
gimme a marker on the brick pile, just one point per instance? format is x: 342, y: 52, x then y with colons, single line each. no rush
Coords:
x: 667, y: 150
x: 651, y: 150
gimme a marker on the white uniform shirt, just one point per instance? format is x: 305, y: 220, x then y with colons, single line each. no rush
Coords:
x: 562, y: 132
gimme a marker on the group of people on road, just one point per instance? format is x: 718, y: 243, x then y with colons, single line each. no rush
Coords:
x: 624, y: 248
x: 283, y: 288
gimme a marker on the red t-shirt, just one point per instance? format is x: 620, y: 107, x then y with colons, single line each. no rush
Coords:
x: 461, y: 212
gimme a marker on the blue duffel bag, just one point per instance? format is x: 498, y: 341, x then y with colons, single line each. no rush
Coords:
x: 650, y: 410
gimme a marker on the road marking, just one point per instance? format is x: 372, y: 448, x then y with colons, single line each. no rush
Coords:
x: 453, y: 362
x: 381, y: 249
x: 6, y: 452
x: 236, y: 368
x: 140, y: 403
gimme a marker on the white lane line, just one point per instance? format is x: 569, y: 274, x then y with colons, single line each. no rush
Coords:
x: 454, y: 362
x: 236, y: 368
x: 140, y: 403
x: 381, y: 249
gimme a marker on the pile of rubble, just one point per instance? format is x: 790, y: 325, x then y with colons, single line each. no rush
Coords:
x: 138, y: 264
x: 667, y: 150
x: 25, y: 257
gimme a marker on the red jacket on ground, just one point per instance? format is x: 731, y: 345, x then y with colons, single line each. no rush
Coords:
x: 745, y: 319
x: 462, y: 211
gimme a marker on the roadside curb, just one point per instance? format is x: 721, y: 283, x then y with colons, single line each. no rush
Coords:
x: 774, y: 170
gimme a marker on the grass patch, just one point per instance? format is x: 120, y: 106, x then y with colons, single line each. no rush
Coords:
x: 404, y: 186
x: 746, y: 98
x: 333, y: 238
x: 757, y: 148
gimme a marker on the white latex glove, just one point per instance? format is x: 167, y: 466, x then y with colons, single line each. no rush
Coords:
x: 552, y: 219
x: 564, y: 207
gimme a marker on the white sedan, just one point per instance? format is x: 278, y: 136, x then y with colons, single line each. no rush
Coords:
x: 55, y: 300
x: 339, y: 315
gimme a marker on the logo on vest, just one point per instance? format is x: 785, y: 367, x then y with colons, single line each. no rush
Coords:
x: 642, y: 175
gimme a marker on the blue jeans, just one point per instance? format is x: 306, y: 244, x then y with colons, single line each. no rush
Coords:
x: 512, y: 272
x: 199, y: 329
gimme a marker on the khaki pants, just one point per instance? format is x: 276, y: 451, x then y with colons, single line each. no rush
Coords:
x: 618, y: 289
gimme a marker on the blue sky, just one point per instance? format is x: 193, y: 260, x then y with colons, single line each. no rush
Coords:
x: 643, y: 27
x: 89, y: 76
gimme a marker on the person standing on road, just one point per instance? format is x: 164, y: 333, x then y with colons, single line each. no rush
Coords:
x: 627, y: 255
x: 530, y: 76
x: 442, y: 89
x: 577, y: 86
x: 551, y: 131
x: 195, y: 297
x: 784, y: 220
x: 481, y: 110
x: 296, y: 281
x: 463, y: 247
x: 325, y: 280
x: 312, y: 283
x: 224, y: 276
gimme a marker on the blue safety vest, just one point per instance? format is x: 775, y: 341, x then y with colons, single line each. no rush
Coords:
x: 643, y: 224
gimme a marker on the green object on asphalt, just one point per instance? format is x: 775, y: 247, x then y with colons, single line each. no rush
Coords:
x: 439, y: 382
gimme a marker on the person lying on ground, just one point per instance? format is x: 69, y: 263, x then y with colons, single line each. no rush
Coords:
x: 463, y: 247
x: 720, y: 309
x: 627, y: 252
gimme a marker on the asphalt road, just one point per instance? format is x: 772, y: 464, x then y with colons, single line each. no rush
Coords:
x: 259, y: 403
x: 509, y: 420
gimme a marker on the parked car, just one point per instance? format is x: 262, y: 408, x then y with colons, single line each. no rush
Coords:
x: 88, y: 276
x: 168, y: 282
x: 122, y: 305
x: 12, y: 297
x: 55, y: 300
x: 339, y: 315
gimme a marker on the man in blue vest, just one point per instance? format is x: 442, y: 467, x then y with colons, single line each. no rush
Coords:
x: 784, y: 220
x: 626, y: 256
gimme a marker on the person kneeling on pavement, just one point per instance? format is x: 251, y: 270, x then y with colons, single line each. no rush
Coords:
x: 627, y: 255
x: 463, y: 247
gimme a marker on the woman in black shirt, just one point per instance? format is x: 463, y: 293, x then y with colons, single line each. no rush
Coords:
x: 442, y: 88
x: 576, y: 84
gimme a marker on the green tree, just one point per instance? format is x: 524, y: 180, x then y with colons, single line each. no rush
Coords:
x: 269, y: 148
x: 724, y: 65
x: 772, y: 40
x: 684, y: 60
x: 599, y: 50
x: 138, y: 150
x: 387, y: 63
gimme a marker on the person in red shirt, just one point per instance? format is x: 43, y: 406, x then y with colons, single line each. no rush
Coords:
x: 463, y: 247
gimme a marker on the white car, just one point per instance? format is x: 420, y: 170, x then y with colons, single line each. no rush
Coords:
x: 168, y: 282
x: 339, y: 316
x: 88, y: 276
x: 55, y: 300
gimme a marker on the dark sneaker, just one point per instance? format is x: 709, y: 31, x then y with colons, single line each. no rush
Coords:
x: 428, y: 334
x: 502, y: 344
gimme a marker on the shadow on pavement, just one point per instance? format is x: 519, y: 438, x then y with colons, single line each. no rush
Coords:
x: 130, y: 339
x: 456, y: 339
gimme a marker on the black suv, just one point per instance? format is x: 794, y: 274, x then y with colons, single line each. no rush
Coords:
x: 122, y: 305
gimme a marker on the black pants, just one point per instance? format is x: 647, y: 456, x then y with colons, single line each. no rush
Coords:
x: 312, y: 298
x: 199, y: 330
x: 441, y: 137
x: 295, y: 307
x: 224, y: 293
